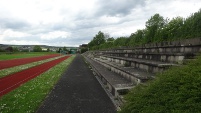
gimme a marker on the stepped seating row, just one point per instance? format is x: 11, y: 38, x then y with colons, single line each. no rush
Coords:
x: 166, y: 49
x: 163, y: 57
x: 174, y: 52
x: 134, y: 75
x: 115, y: 83
x: 137, y: 65
x: 143, y: 64
x: 183, y: 42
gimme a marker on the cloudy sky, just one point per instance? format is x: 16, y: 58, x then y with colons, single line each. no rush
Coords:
x: 75, y: 22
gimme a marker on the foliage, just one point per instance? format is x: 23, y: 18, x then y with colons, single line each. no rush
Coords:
x: 28, y: 97
x: 65, y: 49
x: 157, y: 29
x: 176, y: 90
x: 121, y: 41
x: 37, y: 48
x: 48, y: 49
x: 83, y: 50
x: 1, y: 50
x: 154, y: 24
x: 60, y: 49
x: 136, y: 38
x: 9, y: 49
x: 15, y: 49
x: 97, y: 40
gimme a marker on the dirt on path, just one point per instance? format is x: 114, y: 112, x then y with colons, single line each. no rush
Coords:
x: 13, y: 81
x: 77, y: 91
x: 16, y: 62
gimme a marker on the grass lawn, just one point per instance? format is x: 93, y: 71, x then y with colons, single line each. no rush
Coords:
x: 4, y: 56
x: 28, y: 97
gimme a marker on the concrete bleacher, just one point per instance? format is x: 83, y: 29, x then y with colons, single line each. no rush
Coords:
x: 120, y: 69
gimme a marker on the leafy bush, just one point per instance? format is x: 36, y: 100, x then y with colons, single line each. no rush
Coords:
x: 176, y: 90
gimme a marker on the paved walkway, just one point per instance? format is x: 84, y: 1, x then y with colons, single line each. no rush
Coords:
x: 77, y: 91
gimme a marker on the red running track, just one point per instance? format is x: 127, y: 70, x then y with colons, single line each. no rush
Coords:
x: 16, y: 62
x: 13, y: 81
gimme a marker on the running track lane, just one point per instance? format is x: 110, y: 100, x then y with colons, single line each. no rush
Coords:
x: 13, y: 81
x: 15, y: 62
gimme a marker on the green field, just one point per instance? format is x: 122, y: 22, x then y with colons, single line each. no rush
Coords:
x: 4, y: 56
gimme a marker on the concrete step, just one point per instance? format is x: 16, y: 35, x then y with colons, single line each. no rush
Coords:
x: 147, y: 65
x: 159, y: 49
x: 115, y: 83
x: 132, y: 74
x: 163, y: 57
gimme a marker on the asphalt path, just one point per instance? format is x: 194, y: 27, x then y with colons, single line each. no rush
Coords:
x: 77, y: 91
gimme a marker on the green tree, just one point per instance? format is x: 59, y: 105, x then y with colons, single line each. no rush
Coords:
x: 59, y: 50
x: 48, y: 49
x: 1, y: 50
x: 174, y: 28
x: 97, y: 40
x: 15, y: 49
x: 121, y: 41
x: 83, y: 50
x: 9, y: 49
x: 136, y: 38
x: 110, y: 39
x: 155, y: 23
x: 65, y: 49
x: 37, y: 48
x: 192, y: 25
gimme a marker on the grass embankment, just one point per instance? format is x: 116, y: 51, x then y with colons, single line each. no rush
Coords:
x: 7, y: 71
x: 30, y: 95
x: 177, y: 90
x: 4, y: 56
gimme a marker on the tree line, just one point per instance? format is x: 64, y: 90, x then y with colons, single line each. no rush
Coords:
x: 36, y: 48
x: 157, y: 29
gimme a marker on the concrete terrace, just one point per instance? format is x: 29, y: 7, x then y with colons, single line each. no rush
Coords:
x: 133, y: 66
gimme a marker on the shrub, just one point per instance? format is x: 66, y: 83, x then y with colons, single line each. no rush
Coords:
x: 175, y: 90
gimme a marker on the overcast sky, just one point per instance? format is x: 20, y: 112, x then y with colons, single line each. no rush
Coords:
x: 75, y: 22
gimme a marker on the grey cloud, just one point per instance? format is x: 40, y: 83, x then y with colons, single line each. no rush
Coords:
x: 87, y: 24
x: 13, y: 23
x: 65, y: 41
x: 27, y: 38
x: 118, y: 7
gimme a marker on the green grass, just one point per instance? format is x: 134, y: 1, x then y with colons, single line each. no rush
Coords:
x: 30, y: 95
x: 7, y: 71
x: 4, y: 56
x: 177, y: 90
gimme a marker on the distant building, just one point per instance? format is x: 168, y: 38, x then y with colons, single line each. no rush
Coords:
x: 26, y: 48
x: 44, y: 49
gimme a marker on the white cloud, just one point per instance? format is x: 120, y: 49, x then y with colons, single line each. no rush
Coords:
x: 109, y: 19
x: 55, y: 35
x: 10, y: 33
x: 23, y: 42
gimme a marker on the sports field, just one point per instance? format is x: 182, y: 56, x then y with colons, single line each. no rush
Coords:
x: 24, y: 89
x: 5, y: 56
